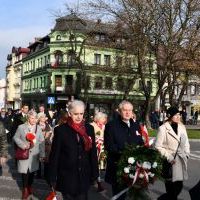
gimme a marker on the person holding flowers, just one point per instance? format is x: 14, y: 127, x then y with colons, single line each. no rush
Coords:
x: 29, y: 136
x: 172, y: 142
x: 119, y: 133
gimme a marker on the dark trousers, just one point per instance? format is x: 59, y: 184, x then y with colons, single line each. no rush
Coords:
x: 173, y: 189
x: 39, y: 171
x: 46, y: 171
x: 116, y: 189
x: 75, y: 197
x: 27, y: 179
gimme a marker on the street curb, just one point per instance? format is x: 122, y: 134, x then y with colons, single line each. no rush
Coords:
x: 194, y: 140
x: 190, y: 140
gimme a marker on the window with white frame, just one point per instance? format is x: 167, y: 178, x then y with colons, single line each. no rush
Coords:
x: 107, y: 60
x: 98, y: 82
x: 97, y: 59
x: 108, y: 83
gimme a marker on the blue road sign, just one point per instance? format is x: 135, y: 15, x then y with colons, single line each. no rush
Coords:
x: 51, y: 100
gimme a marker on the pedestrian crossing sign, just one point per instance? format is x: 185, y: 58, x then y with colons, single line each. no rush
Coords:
x: 51, y: 100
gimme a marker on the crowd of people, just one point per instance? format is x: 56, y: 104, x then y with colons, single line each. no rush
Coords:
x: 74, y: 151
x: 158, y: 117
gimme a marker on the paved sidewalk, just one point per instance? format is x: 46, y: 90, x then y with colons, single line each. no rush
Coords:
x: 193, y: 127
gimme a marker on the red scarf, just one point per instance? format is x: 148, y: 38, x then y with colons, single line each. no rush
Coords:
x: 81, y: 130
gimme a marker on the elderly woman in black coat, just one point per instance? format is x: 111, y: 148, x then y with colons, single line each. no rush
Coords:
x: 73, y: 158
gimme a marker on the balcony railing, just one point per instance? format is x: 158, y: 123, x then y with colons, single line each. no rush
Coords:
x: 69, y: 89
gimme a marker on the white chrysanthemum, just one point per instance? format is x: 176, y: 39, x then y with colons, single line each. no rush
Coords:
x: 151, y: 175
x: 131, y: 160
x: 131, y: 176
x: 126, y: 170
x: 155, y: 164
x: 146, y: 165
x: 141, y: 175
x: 34, y: 141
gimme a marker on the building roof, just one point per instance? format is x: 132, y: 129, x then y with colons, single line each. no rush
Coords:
x: 38, y: 40
x: 72, y: 22
x: 23, y: 50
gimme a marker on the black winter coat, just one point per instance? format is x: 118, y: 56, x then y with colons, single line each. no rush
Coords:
x: 70, y: 166
x: 116, y: 136
x: 18, y: 120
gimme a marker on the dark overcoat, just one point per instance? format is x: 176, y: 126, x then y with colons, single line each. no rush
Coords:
x: 18, y: 120
x: 70, y: 166
x: 3, y: 142
x: 116, y: 136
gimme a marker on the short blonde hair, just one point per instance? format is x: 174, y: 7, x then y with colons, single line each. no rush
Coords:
x: 100, y: 115
x: 39, y: 115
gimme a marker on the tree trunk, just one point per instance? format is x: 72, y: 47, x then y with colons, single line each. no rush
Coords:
x: 146, y: 114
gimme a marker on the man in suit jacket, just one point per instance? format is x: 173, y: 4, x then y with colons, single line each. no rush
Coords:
x: 19, y: 119
x: 118, y: 133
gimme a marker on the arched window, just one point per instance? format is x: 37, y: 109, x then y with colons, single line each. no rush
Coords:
x: 58, y: 37
x: 58, y: 58
x: 71, y: 58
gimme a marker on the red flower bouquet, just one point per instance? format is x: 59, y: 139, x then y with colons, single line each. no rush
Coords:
x: 31, y: 138
x: 51, y: 196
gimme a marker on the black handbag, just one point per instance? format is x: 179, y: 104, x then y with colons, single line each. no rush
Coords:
x: 166, y: 169
x: 167, y: 166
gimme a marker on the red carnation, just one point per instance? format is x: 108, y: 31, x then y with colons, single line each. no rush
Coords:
x: 31, y: 138
x: 51, y: 196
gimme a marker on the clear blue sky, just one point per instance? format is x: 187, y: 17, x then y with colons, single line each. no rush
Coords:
x: 23, y: 20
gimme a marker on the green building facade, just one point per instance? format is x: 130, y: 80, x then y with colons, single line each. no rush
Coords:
x: 80, y: 59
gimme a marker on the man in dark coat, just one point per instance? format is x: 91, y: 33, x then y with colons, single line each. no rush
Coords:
x: 7, y: 120
x: 3, y: 146
x: 19, y: 119
x: 73, y: 164
x: 119, y: 133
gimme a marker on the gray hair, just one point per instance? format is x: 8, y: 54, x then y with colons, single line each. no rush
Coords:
x: 100, y: 115
x: 31, y: 113
x: 76, y: 103
x: 124, y: 102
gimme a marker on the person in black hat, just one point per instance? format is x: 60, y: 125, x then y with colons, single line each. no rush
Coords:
x: 172, y: 142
